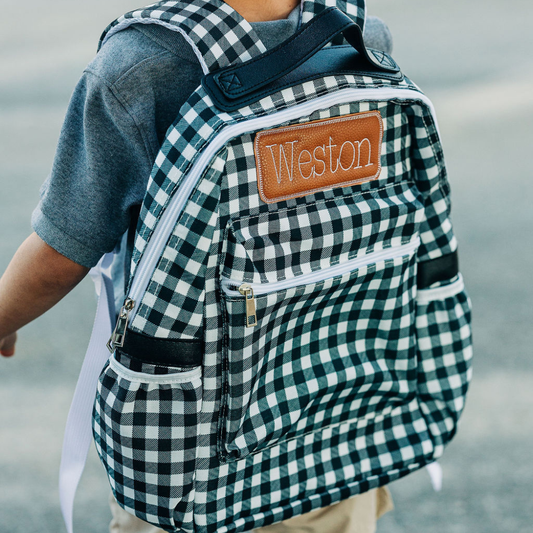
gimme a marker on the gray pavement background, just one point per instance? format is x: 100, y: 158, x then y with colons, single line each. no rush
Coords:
x: 474, y: 59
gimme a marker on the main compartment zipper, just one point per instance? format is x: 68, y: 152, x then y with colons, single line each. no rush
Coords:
x: 251, y: 290
x: 164, y: 228
x: 119, y: 334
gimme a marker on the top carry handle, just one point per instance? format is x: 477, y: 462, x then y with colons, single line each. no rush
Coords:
x: 236, y: 82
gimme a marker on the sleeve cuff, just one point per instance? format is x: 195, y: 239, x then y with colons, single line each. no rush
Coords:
x: 62, y: 242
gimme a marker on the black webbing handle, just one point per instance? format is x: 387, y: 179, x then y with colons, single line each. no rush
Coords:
x: 240, y: 80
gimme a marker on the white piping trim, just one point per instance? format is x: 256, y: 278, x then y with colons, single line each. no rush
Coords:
x: 164, y: 228
x: 128, y: 22
x: 425, y: 296
x: 164, y: 379
x: 324, y: 274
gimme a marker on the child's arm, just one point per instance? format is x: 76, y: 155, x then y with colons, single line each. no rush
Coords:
x: 37, y: 278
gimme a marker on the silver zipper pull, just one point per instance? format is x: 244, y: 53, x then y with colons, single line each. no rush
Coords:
x: 248, y: 293
x: 117, y: 339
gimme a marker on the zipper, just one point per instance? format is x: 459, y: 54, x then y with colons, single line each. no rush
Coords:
x: 250, y: 290
x: 161, y: 234
x: 119, y: 334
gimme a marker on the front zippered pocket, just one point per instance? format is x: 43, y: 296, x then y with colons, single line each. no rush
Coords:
x: 329, y: 347
x: 249, y: 291
x: 318, y: 307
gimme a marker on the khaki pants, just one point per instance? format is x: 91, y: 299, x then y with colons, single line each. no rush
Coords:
x: 356, y: 515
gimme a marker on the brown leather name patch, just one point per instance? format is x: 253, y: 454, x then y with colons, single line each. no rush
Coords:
x: 294, y: 161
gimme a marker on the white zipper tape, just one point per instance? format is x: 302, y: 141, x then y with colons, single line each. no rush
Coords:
x: 325, y: 273
x: 163, y: 230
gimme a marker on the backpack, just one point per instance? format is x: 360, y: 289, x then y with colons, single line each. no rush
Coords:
x: 296, y: 330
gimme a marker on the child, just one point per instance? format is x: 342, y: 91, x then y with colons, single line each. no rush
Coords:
x: 117, y: 119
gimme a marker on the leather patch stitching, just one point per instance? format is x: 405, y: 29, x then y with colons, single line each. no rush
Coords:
x: 303, y: 159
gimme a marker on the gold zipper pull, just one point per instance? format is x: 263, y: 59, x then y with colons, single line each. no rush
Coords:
x: 117, y: 339
x: 248, y: 293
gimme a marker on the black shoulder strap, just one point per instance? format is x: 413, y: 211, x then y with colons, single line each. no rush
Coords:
x: 230, y: 86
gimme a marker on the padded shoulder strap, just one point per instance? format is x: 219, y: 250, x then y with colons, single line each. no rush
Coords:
x: 355, y: 9
x: 219, y: 36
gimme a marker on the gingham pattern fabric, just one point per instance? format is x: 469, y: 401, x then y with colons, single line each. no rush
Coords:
x: 443, y: 329
x: 385, y: 214
x: 346, y: 383
x: 220, y: 36
x: 145, y: 427
x: 291, y: 377
x: 199, y: 122
x: 164, y: 299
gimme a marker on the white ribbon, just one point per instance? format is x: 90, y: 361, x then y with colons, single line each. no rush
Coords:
x: 78, y: 432
x: 435, y: 474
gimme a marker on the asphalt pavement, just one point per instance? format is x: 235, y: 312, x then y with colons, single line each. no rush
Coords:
x: 474, y: 60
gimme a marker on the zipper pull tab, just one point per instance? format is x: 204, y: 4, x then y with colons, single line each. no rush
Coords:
x: 117, y: 339
x: 248, y: 293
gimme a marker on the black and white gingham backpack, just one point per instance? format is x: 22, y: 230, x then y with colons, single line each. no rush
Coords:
x: 296, y: 330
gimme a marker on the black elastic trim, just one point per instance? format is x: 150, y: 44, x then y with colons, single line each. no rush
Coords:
x: 165, y: 352
x: 440, y: 269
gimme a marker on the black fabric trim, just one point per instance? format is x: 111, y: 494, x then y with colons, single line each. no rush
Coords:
x: 441, y: 269
x: 163, y: 352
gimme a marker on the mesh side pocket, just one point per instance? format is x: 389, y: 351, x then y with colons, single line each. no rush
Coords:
x: 444, y: 340
x: 145, y: 428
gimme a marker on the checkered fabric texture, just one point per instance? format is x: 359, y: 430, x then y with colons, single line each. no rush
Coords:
x: 132, y: 413
x: 443, y: 330
x: 222, y: 37
x: 287, y: 378
x: 346, y: 383
x: 255, y: 247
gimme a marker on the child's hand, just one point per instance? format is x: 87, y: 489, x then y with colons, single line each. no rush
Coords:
x: 7, y: 345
